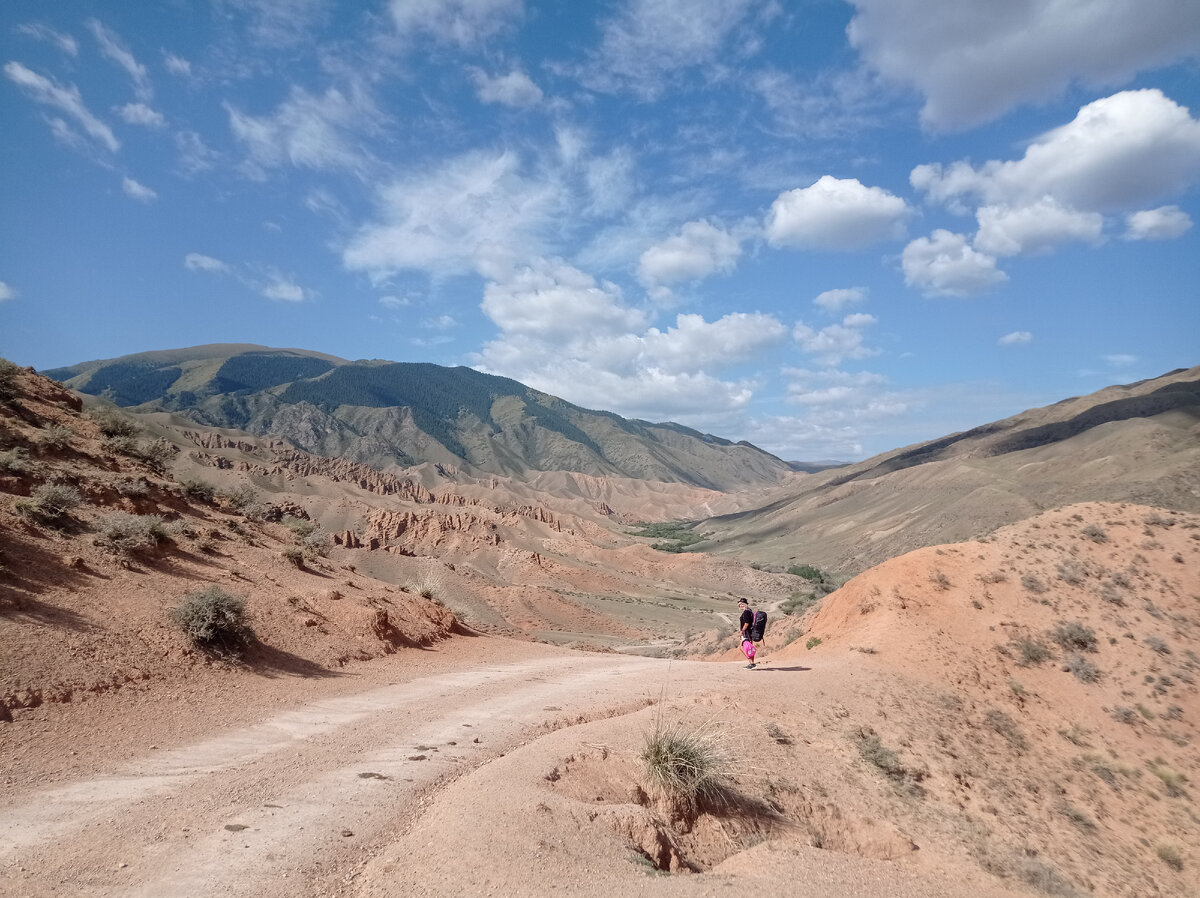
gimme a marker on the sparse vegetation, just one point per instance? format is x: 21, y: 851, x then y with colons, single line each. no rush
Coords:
x: 1031, y: 652
x: 126, y: 535
x: 214, y: 620
x: 1003, y: 724
x: 294, y: 555
x: 426, y: 587
x: 199, y: 490
x: 1074, y: 636
x: 56, y: 437
x: 1158, y: 645
x: 799, y: 602
x: 1171, y: 856
x: 50, y: 503
x: 15, y: 461
x: 1033, y: 583
x: 1095, y: 533
x: 239, y: 496
x: 8, y: 380
x: 112, y: 423
x: 686, y: 764
x: 1084, y: 670
x: 813, y: 642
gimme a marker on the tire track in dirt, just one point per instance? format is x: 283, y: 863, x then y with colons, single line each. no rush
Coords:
x: 291, y: 805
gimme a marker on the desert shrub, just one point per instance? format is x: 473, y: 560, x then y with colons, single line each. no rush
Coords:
x: 1112, y: 595
x: 1158, y: 645
x: 214, y: 620
x: 294, y: 554
x: 807, y: 571
x: 315, y: 544
x: 56, y: 437
x: 1095, y: 533
x: 50, y: 503
x: 156, y: 455
x: 1074, y: 636
x: 132, y: 489
x: 112, y: 423
x: 940, y: 580
x: 1173, y: 781
x: 1032, y: 583
x: 239, y: 496
x: 15, y: 461
x: 1122, y: 714
x: 200, y: 490
x: 799, y: 602
x: 8, y: 380
x: 813, y: 642
x: 685, y: 764
x: 127, y: 534
x: 1001, y: 723
x: 1084, y: 670
x: 299, y: 526
x: 1031, y: 652
x: 120, y: 444
x: 426, y: 587
x: 874, y: 752
x: 1171, y: 856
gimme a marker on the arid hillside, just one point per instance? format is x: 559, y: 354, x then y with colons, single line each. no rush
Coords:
x: 1134, y: 443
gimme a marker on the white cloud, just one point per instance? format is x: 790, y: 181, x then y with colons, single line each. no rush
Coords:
x: 394, y: 302
x: 199, y: 262
x: 1163, y: 223
x: 177, y: 65
x: 974, y: 61
x: 1118, y: 152
x: 112, y: 47
x: 139, y: 192
x: 698, y: 250
x: 474, y: 212
x: 514, y: 89
x: 1038, y: 227
x: 66, y: 99
x: 282, y: 289
x: 835, y: 214
x: 834, y: 300
x: 6, y: 292
x: 566, y: 334
x: 943, y: 264
x: 64, y: 42
x: 1016, y: 338
x: 463, y: 22
x: 830, y: 345
x: 440, y: 323
x: 307, y: 131
x: 649, y: 39
x: 141, y: 114
x: 1121, y: 359
x: 195, y: 155
x: 278, y: 23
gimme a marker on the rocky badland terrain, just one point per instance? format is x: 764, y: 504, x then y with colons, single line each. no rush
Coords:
x: 453, y: 674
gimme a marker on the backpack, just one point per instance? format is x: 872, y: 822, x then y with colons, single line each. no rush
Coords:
x: 759, y: 626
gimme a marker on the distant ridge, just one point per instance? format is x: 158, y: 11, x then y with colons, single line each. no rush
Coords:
x: 401, y: 414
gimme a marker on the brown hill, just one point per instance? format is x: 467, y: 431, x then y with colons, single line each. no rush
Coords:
x: 1134, y: 443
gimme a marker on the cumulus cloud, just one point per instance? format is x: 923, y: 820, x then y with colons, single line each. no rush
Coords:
x: 1163, y: 223
x: 835, y: 300
x: 141, y: 114
x: 835, y: 214
x: 698, y: 250
x: 1016, y: 338
x: 66, y: 99
x: 567, y: 334
x: 476, y: 212
x: 944, y: 264
x: 514, y: 89
x: 1119, y: 152
x: 650, y: 39
x: 830, y: 345
x: 114, y: 49
x: 139, y: 192
x: 465, y: 23
x: 1038, y: 227
x: 974, y: 61
x: 308, y: 131
x: 6, y: 292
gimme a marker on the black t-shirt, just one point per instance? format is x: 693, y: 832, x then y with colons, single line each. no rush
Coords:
x: 746, y: 623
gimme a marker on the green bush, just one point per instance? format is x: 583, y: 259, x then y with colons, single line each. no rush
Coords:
x: 8, y: 380
x: 214, y: 620
x: 56, y: 437
x: 199, y: 490
x: 1074, y: 636
x: 239, y: 496
x: 294, y: 554
x: 112, y: 423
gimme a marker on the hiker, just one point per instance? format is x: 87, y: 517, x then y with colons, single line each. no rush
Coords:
x: 746, y: 623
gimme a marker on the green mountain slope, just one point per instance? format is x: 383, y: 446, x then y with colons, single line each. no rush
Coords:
x: 395, y: 413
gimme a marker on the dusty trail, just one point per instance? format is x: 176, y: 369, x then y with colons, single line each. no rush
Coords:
x: 295, y: 803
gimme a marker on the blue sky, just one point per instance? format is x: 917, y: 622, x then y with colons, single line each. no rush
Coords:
x: 829, y: 228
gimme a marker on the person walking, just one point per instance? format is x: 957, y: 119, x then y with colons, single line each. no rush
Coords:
x: 745, y: 625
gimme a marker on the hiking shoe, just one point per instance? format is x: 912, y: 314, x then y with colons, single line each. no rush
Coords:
x: 750, y: 666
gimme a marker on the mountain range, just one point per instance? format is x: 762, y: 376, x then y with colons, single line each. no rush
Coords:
x: 397, y: 414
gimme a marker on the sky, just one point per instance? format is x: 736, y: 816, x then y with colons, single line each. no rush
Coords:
x: 828, y: 228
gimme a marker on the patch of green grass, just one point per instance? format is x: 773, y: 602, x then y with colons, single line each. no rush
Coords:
x: 813, y: 642
x: 674, y: 536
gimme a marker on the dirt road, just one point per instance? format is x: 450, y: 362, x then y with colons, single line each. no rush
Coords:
x: 293, y: 803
